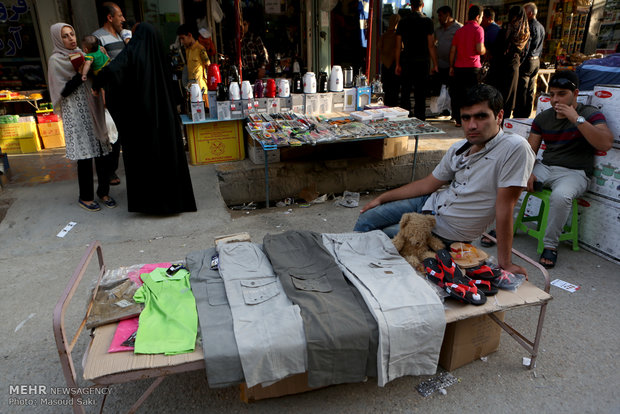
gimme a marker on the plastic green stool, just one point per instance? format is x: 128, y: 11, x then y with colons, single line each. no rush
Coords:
x: 569, y: 232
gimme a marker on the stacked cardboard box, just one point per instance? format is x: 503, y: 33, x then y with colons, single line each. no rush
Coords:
x: 19, y: 137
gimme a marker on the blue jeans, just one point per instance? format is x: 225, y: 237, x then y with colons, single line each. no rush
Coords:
x: 387, y: 216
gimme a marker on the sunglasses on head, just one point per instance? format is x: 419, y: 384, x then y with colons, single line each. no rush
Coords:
x: 563, y: 83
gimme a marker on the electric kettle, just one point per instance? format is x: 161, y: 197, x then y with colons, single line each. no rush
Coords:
x: 336, y: 81
x: 259, y: 89
x: 246, y: 90
x: 322, y: 84
x: 234, y: 92
x: 297, y: 83
x: 309, y: 82
x: 284, y: 89
x: 348, y: 77
x: 195, y: 93
x: 213, y: 76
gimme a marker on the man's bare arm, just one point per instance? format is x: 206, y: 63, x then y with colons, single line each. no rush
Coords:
x: 426, y: 185
x: 504, y: 205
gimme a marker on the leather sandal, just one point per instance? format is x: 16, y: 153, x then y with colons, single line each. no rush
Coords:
x: 551, y: 255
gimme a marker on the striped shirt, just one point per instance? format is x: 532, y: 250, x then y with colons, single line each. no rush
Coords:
x: 113, y: 44
x: 565, y: 144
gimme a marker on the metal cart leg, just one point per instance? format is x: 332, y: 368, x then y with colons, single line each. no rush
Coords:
x: 415, y: 158
x: 266, y: 178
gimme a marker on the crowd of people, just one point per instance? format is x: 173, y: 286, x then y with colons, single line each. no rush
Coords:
x: 477, y: 182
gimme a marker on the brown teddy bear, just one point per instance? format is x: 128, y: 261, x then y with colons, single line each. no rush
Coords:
x: 414, y: 240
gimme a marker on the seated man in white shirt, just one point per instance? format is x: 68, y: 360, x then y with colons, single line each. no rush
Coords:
x: 484, y: 174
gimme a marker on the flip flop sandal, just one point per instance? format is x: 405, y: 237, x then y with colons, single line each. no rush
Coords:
x: 483, y: 272
x: 484, y: 242
x: 551, y: 255
x: 434, y: 271
x: 484, y: 286
x: 452, y: 273
x: 467, y: 294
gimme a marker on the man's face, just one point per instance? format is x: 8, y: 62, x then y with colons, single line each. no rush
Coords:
x: 479, y: 123
x: 563, y: 96
x: 186, y: 40
x: 485, y: 21
x: 117, y: 20
x: 442, y: 17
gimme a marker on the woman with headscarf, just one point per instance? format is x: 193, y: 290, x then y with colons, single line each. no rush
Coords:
x: 509, y: 48
x: 139, y: 98
x: 83, y: 118
x: 387, y: 49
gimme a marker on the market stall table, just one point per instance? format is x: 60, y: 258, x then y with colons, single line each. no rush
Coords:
x: 105, y: 369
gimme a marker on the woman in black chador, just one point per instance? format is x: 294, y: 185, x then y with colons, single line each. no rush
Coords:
x: 139, y: 97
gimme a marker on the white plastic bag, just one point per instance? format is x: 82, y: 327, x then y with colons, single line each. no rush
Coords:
x: 112, y: 131
x: 442, y: 102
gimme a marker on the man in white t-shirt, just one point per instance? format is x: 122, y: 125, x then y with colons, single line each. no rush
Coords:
x: 110, y: 38
x: 484, y: 175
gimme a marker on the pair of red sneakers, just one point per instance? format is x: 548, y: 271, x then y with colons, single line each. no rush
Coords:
x: 442, y: 271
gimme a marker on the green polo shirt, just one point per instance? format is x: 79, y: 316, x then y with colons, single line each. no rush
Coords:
x: 169, y: 322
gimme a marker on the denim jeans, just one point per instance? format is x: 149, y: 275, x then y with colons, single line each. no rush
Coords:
x: 387, y: 216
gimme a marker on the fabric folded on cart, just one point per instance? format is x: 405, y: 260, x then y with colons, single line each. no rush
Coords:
x: 336, y: 328
x: 410, y: 315
x: 268, y: 327
x: 221, y: 354
x: 169, y: 322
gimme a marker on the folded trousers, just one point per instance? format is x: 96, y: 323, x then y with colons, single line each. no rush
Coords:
x: 335, y: 324
x: 221, y: 355
x: 268, y: 326
x: 410, y: 316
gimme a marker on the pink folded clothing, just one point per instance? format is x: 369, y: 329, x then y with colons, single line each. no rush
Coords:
x: 125, y: 329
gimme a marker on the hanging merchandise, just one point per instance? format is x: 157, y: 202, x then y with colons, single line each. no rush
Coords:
x: 216, y: 12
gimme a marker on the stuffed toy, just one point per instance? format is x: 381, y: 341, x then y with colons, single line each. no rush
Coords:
x: 414, y: 240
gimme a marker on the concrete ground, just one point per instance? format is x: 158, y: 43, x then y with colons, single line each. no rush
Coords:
x: 577, y: 371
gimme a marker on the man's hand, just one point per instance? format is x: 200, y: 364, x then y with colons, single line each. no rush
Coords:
x: 260, y: 73
x: 398, y: 70
x: 568, y: 111
x: 530, y: 183
x: 515, y: 269
x: 371, y: 204
x: 451, y: 72
x: 95, y: 92
x: 434, y: 69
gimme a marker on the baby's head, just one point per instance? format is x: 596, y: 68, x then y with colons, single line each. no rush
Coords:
x: 89, y: 44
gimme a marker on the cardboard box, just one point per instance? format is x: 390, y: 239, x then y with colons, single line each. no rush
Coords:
x: 52, y: 134
x: 350, y: 99
x: 217, y: 141
x: 223, y: 110
x: 212, y: 98
x: 325, y: 103
x: 337, y: 101
x: 599, y: 226
x: 362, y: 97
x: 469, y: 339
x: 236, y: 110
x: 294, y: 384
x: 273, y: 105
x: 519, y: 126
x: 606, y: 178
x: 311, y: 104
x: 607, y: 99
x: 298, y: 102
x: 542, y: 103
x: 286, y: 104
x: 20, y: 137
x: 197, y: 111
x: 257, y: 155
